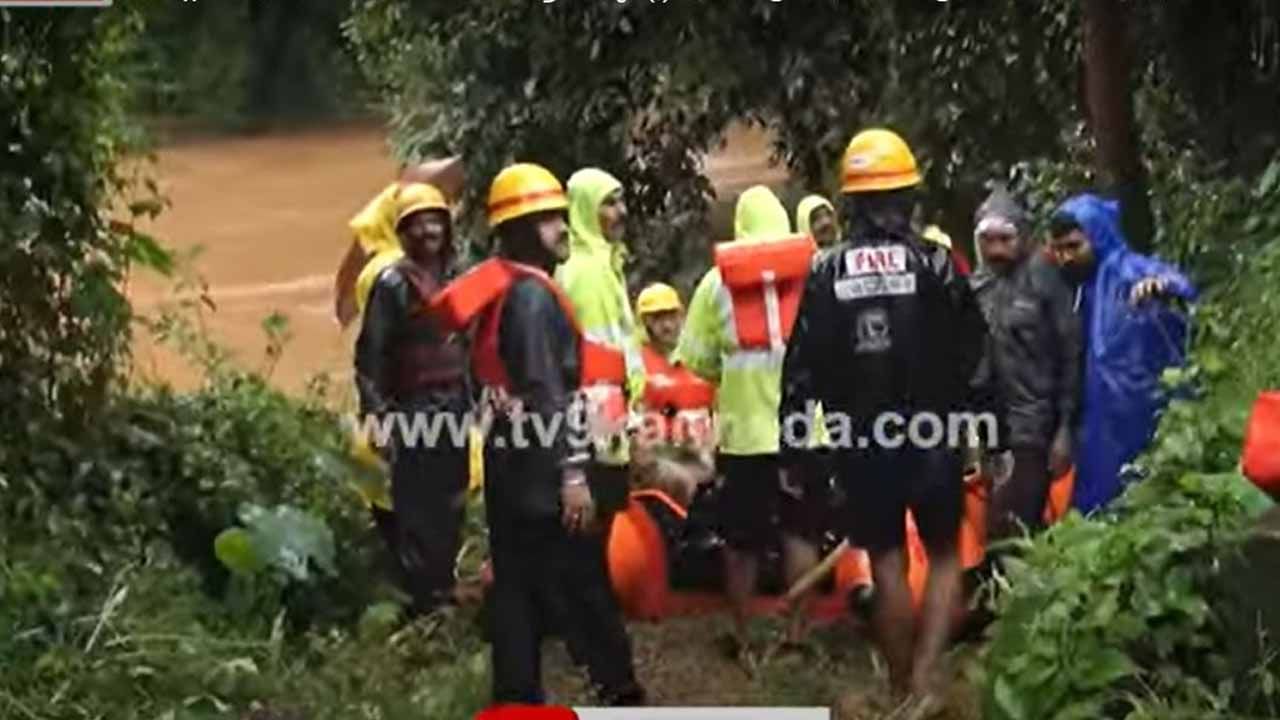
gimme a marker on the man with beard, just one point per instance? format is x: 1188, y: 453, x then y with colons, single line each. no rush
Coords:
x: 1132, y: 332
x: 532, y: 358
x: 594, y: 281
x: 405, y: 365
x: 1031, y: 368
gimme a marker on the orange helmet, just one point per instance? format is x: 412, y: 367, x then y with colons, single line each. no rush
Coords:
x: 416, y: 197
x: 878, y: 160
x: 523, y: 189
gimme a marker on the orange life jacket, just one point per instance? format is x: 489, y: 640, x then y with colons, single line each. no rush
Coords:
x: 765, y: 281
x: 1260, y: 459
x: 478, y: 297
x: 677, y: 398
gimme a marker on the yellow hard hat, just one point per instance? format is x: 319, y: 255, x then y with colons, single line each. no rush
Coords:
x: 934, y: 234
x: 524, y: 189
x: 878, y: 160
x: 415, y: 197
x: 658, y: 297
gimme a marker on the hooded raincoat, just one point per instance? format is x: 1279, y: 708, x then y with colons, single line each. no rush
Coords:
x: 805, y: 210
x: 593, y: 279
x: 375, y: 225
x: 1126, y: 350
x: 748, y: 380
x: 1030, y: 369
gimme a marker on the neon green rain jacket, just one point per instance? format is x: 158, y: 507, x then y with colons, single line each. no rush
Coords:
x: 748, y: 381
x: 593, y: 279
x: 804, y: 213
x: 804, y: 218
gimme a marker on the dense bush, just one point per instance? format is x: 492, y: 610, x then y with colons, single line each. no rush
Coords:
x: 1124, y: 614
x: 114, y: 603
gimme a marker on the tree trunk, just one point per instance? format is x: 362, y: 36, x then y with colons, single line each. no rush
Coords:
x: 1108, y: 94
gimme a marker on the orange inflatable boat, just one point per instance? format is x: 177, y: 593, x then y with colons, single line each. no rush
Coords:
x: 638, y: 563
x: 639, y: 566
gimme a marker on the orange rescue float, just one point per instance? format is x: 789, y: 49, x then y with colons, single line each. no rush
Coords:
x: 765, y: 280
x: 1260, y: 460
x: 478, y: 295
x: 677, y: 399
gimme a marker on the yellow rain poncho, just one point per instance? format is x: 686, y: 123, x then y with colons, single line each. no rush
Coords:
x: 593, y: 279
x: 748, y: 380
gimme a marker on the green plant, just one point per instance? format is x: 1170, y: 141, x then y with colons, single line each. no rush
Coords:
x: 1125, y: 614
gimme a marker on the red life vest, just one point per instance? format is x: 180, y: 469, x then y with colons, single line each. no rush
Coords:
x: 765, y: 281
x: 479, y: 295
x: 1260, y: 459
x: 678, y: 399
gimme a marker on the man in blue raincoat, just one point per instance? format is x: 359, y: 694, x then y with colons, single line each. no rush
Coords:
x: 1132, y: 332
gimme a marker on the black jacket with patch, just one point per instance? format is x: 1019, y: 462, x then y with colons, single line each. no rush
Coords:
x: 886, y: 324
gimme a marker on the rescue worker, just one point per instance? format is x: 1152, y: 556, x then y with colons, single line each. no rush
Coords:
x: 1031, y: 367
x: 661, y: 316
x: 746, y: 373
x: 886, y: 325
x: 593, y: 280
x: 816, y: 216
x: 1131, y: 334
x: 405, y: 365
x: 375, y: 235
x: 675, y: 450
x: 547, y: 551
x: 934, y: 234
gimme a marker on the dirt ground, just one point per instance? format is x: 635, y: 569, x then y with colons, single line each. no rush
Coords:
x: 271, y: 212
x: 678, y: 662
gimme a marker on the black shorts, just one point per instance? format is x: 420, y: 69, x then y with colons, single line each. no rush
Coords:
x: 881, y: 485
x: 753, y: 508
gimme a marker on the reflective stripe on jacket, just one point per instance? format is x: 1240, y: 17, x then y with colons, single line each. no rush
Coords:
x: 593, y: 280
x: 748, y: 379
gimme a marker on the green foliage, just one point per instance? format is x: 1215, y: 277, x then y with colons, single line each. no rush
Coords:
x: 151, y: 645
x: 286, y: 540
x: 1124, y: 615
x: 1100, y: 613
x: 63, y: 320
x: 643, y: 90
x: 238, y: 64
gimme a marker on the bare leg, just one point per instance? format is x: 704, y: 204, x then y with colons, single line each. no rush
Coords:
x: 942, y: 596
x: 798, y: 556
x: 741, y: 570
x: 893, y: 618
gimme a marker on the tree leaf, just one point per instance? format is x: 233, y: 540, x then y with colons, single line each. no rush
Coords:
x: 235, y: 549
x: 1108, y: 667
x: 1007, y: 700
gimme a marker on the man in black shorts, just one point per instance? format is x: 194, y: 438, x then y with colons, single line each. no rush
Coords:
x: 728, y: 342
x: 888, y: 335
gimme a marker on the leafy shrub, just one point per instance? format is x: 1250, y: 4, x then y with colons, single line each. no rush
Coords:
x: 1101, y: 612
x: 1124, y: 614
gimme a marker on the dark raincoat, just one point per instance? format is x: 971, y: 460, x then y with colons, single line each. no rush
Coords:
x: 1127, y: 349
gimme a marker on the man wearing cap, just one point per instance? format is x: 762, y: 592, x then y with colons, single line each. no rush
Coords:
x: 405, y: 365
x: 1031, y: 368
x: 375, y: 243
x: 531, y: 357
x: 887, y: 329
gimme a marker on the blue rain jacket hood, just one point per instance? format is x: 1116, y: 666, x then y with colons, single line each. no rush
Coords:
x: 1127, y: 349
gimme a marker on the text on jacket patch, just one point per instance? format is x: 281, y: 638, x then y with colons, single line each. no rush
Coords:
x: 876, y: 260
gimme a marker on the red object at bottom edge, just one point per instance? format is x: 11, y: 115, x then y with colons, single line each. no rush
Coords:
x: 527, y: 712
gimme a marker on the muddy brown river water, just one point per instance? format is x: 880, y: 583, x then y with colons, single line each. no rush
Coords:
x: 270, y: 214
